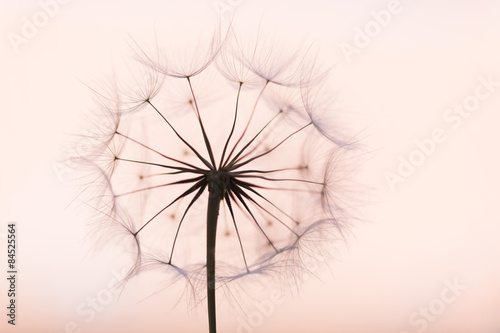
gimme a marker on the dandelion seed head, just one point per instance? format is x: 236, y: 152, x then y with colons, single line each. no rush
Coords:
x: 255, y: 136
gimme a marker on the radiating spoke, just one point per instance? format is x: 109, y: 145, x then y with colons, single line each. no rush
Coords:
x: 204, y: 133
x: 232, y: 128
x: 157, y: 152
x: 251, y: 188
x: 250, y: 142
x: 248, y: 123
x: 182, y: 139
x: 182, y: 170
x: 237, y: 193
x: 197, y: 195
x: 283, y: 179
x: 269, y: 151
x: 193, y: 188
x: 184, y: 181
x: 228, y: 203
x: 243, y: 193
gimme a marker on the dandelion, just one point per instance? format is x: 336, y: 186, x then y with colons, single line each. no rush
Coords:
x: 239, y: 128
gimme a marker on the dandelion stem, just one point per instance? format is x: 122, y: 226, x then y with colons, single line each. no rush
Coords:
x: 212, y: 216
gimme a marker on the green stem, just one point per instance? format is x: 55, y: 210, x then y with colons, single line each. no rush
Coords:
x: 212, y: 215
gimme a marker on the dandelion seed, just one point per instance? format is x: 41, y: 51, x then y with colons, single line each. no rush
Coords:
x: 260, y: 157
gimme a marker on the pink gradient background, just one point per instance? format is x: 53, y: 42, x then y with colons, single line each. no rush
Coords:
x: 442, y: 223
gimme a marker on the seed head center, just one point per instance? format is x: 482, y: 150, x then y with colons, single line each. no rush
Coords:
x: 218, y: 182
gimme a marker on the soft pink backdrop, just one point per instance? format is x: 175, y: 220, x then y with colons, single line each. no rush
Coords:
x: 441, y: 224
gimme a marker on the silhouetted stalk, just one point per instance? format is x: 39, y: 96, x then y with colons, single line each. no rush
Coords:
x: 212, y: 215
